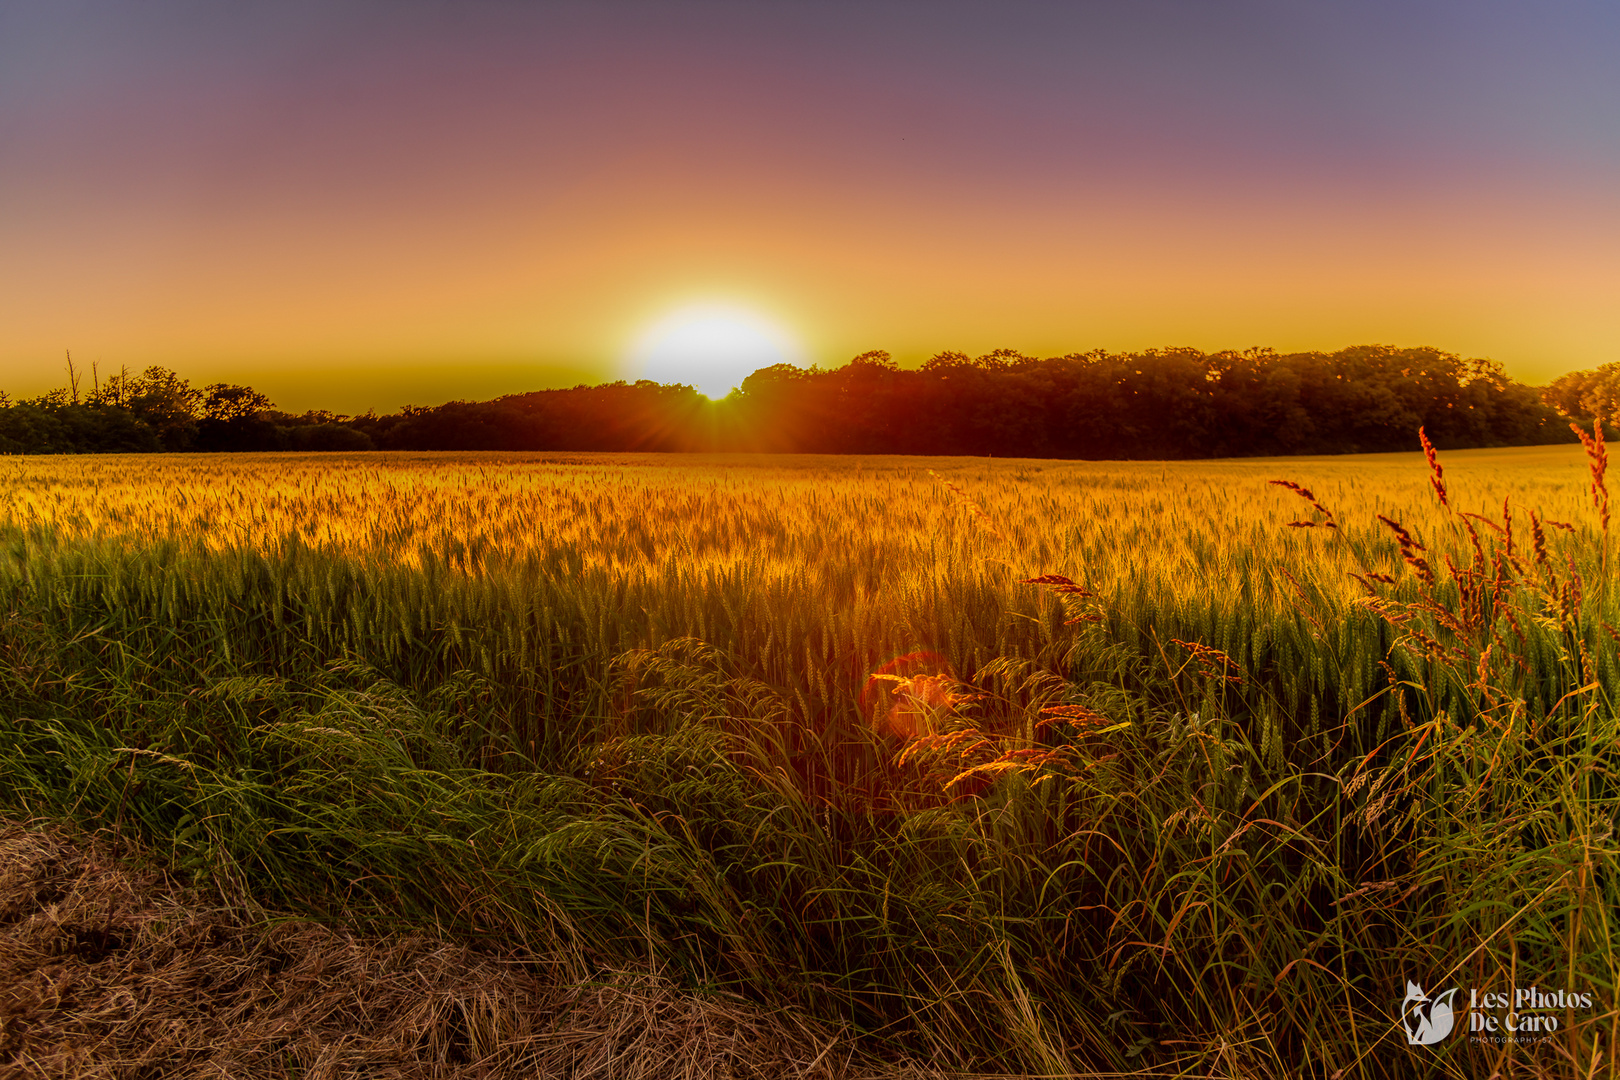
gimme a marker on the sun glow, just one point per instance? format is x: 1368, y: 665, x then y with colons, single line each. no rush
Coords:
x: 712, y: 347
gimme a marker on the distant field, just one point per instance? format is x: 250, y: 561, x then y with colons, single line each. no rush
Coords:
x: 861, y: 529
x: 797, y: 724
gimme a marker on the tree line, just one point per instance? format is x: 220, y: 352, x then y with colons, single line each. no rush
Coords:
x: 159, y: 411
x: 1162, y: 403
x: 1585, y: 396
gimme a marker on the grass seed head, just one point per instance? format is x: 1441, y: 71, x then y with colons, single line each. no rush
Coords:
x: 1303, y: 492
x: 1437, y: 475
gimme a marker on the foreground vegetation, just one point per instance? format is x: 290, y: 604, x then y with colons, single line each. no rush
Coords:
x: 113, y: 970
x: 1021, y: 765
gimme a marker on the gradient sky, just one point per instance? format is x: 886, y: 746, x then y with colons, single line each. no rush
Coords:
x: 366, y: 204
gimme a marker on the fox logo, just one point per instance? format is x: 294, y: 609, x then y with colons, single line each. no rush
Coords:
x: 1427, y: 1020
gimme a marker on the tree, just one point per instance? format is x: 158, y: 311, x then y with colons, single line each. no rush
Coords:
x: 944, y: 362
x: 166, y: 403
x: 225, y: 402
x: 1587, y: 395
x: 874, y: 359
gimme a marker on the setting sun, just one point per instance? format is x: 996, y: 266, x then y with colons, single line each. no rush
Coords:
x: 712, y: 347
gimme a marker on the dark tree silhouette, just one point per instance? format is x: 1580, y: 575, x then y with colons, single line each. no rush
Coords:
x: 1162, y: 403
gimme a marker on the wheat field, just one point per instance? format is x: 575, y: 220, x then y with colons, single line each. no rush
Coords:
x: 778, y: 513
x: 1033, y: 765
x: 873, y: 544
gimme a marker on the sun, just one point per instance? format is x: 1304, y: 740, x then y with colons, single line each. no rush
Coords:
x: 712, y: 347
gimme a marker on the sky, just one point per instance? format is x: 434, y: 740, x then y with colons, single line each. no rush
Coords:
x: 353, y: 204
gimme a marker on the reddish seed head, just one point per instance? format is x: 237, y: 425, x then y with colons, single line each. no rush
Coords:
x: 1437, y: 477
x: 1597, y: 462
x: 1305, y: 493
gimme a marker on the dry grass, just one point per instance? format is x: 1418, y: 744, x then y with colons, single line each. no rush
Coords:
x: 111, y: 971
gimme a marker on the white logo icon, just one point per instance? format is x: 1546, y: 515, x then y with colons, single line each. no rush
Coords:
x: 1427, y: 1020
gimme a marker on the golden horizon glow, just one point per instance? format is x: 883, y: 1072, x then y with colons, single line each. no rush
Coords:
x: 711, y: 346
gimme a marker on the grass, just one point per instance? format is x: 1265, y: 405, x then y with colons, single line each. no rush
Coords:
x: 1032, y: 766
x: 111, y: 971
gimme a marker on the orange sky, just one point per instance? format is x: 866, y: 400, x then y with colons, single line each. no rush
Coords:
x: 350, y: 208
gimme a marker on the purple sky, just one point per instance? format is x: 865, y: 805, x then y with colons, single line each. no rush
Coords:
x: 358, y: 204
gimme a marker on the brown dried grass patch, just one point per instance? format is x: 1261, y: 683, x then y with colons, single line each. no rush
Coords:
x: 109, y: 971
